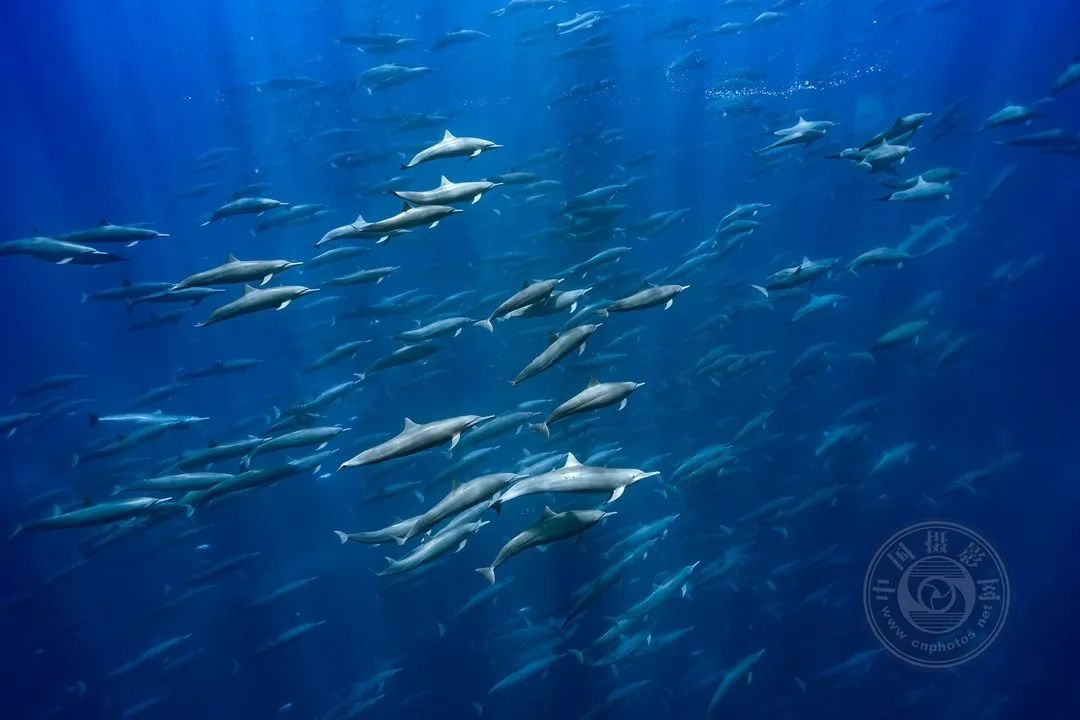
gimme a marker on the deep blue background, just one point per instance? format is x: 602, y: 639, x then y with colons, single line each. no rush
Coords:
x: 107, y: 105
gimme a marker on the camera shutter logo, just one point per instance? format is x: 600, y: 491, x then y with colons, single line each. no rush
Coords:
x: 936, y: 594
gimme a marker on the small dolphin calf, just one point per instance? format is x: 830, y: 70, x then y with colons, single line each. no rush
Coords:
x: 449, y: 147
x: 549, y: 528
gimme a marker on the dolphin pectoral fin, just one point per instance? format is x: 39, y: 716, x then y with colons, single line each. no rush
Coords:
x: 622, y: 404
x: 461, y: 545
x: 476, y: 199
x: 474, y: 153
x: 616, y: 493
x: 454, y: 441
x: 434, y: 224
x: 668, y: 304
x: 284, y: 305
x: 266, y: 279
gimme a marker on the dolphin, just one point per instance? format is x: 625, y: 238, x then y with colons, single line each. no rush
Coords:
x: 559, y: 347
x: 434, y: 548
x: 243, y: 206
x: 237, y: 271
x: 921, y: 191
x: 106, y: 232
x: 447, y: 193
x: 59, y: 251
x: 573, y: 477
x: 549, y: 528
x: 595, y: 396
x: 740, y: 670
x: 528, y: 294
x: 461, y: 497
x: 661, y: 592
x: 409, y: 217
x: 101, y: 513
x: 415, y: 437
x: 451, y: 146
x: 649, y: 297
x: 254, y: 300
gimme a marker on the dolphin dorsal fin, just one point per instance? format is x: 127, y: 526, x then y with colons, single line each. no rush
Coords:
x: 571, y: 461
x: 444, y: 181
x: 409, y: 424
x: 592, y: 381
x: 805, y: 260
x: 248, y: 289
x: 547, y: 514
x: 231, y: 258
x: 919, y: 180
x: 447, y: 135
x: 360, y: 220
x: 454, y: 484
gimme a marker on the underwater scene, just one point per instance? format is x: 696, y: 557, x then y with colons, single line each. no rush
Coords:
x: 532, y: 359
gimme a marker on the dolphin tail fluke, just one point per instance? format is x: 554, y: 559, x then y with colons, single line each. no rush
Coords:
x: 578, y: 655
x: 761, y: 290
x: 343, y: 537
x: 488, y: 573
x: 541, y: 428
x: 486, y: 324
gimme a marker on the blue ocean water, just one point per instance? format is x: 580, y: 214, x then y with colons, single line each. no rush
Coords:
x: 112, y: 109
